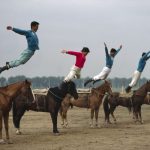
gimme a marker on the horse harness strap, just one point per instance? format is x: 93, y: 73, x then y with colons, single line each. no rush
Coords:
x: 55, y: 95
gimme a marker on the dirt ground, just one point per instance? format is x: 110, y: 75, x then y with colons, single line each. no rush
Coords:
x: 37, y: 132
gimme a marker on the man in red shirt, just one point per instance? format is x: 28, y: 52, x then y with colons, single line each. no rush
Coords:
x: 80, y: 60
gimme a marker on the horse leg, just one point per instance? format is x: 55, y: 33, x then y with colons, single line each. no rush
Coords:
x: 16, y: 119
x: 92, y: 116
x: 61, y: 115
x: 96, y: 117
x: 65, y: 117
x: 140, y: 115
x: 112, y: 109
x: 135, y: 110
x: 1, y: 126
x: 6, y: 117
x: 54, y: 115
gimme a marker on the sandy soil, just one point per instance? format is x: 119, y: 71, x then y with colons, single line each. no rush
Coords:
x: 37, y: 132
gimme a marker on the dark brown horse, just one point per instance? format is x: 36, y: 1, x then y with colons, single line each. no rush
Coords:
x: 134, y: 102
x: 111, y: 102
x: 92, y: 101
x: 44, y: 103
x: 7, y: 94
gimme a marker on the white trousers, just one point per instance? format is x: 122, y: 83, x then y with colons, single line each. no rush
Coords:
x: 103, y: 74
x: 136, y: 76
x: 74, y: 73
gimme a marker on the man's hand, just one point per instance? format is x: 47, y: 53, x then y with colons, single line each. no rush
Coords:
x: 64, y: 51
x: 120, y: 46
x: 9, y: 28
x: 105, y: 44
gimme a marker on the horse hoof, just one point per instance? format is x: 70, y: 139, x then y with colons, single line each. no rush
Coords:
x: 18, y: 132
x: 91, y: 126
x: 9, y: 142
x: 2, y: 141
x: 142, y: 122
x: 56, y: 134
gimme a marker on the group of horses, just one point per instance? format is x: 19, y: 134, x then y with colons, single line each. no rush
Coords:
x: 61, y: 98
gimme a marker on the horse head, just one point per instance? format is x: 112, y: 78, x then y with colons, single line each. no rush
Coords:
x: 148, y: 86
x: 26, y: 91
x: 106, y: 87
x: 70, y: 88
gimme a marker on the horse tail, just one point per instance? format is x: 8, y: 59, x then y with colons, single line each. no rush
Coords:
x: 130, y: 106
x: 105, y: 105
x: 71, y: 105
x: 14, y: 112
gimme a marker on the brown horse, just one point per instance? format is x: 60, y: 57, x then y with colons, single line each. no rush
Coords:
x: 138, y: 99
x: 7, y: 94
x: 92, y: 101
x: 134, y: 102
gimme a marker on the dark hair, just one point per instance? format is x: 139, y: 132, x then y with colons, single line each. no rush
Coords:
x: 143, y: 54
x: 34, y: 23
x: 85, y: 49
x: 113, y: 50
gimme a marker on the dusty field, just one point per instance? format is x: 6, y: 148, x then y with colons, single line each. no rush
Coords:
x: 37, y: 132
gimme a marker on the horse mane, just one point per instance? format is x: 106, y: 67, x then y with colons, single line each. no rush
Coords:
x: 141, y: 90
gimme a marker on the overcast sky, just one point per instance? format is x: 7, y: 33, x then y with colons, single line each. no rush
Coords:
x: 71, y: 25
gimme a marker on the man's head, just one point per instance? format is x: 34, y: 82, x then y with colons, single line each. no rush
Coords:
x: 34, y: 26
x: 85, y: 50
x: 113, y: 52
x: 143, y: 54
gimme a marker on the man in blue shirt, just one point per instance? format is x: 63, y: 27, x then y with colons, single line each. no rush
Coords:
x: 107, y: 69
x: 33, y: 45
x: 138, y: 72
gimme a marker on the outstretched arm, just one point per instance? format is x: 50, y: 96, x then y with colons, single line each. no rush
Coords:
x: 71, y: 52
x: 19, y: 31
x: 106, y: 49
x: 118, y: 50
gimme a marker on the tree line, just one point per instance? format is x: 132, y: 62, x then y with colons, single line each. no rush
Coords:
x: 46, y: 82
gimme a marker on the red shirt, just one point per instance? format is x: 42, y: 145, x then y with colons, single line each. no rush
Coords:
x: 80, y: 58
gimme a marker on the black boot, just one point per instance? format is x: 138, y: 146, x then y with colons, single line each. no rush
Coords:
x: 5, y: 67
x: 88, y: 81
x: 96, y: 81
x: 128, y: 89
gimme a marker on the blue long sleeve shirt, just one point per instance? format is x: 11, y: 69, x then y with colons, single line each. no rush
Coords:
x: 32, y: 39
x: 142, y: 62
x: 110, y: 59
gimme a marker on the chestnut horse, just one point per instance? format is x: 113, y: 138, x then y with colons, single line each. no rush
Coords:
x: 50, y: 102
x: 7, y: 94
x: 92, y: 100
